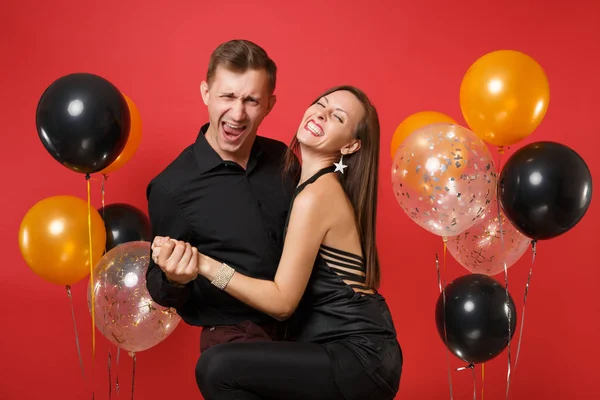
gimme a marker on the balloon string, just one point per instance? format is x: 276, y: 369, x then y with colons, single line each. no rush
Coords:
x: 133, y: 375
x: 117, y: 388
x: 92, y: 300
x: 102, y: 192
x: 474, y: 384
x: 534, y: 252
x: 482, y: 378
x: 109, y: 378
x: 104, y: 178
x: 443, y: 292
x: 508, y: 310
x: 472, y: 368
x: 76, y: 334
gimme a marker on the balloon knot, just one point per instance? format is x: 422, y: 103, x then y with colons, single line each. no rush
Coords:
x: 87, y: 177
x: 470, y: 366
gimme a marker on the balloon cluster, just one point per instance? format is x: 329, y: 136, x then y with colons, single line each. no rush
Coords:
x: 444, y: 178
x: 88, y: 126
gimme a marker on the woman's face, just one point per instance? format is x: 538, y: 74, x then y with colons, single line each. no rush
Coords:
x: 328, y: 126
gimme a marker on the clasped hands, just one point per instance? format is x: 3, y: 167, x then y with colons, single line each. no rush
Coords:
x: 180, y: 261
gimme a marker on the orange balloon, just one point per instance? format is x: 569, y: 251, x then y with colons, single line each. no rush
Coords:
x: 133, y: 142
x: 504, y: 96
x: 54, y: 241
x: 414, y: 122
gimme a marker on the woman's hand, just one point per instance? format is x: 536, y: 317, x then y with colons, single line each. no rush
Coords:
x: 178, y: 260
x: 205, y: 265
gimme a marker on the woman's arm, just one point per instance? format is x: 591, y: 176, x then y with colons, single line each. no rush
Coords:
x: 279, y: 298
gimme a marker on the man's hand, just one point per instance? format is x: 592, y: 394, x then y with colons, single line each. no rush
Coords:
x: 178, y: 260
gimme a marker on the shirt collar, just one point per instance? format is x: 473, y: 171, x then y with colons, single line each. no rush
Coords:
x: 207, y: 158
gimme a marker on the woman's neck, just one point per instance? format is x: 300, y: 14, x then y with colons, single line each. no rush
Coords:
x: 312, y: 163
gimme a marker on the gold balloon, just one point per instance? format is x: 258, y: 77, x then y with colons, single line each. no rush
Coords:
x: 414, y: 122
x: 54, y: 241
x: 504, y: 96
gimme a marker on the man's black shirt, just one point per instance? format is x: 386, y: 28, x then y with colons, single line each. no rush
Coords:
x: 233, y: 215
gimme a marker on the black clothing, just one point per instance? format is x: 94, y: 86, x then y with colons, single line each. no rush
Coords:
x: 354, y: 330
x: 233, y: 215
x: 267, y: 370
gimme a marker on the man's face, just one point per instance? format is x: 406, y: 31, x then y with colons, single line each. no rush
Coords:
x: 237, y: 103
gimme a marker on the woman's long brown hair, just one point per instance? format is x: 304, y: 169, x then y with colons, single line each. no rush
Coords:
x: 360, y: 180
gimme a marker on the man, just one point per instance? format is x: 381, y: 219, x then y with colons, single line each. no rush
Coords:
x: 228, y: 196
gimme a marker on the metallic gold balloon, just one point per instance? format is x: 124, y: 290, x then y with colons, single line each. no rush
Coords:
x: 414, y: 122
x: 444, y: 178
x: 504, y: 96
x: 54, y: 239
x: 482, y: 249
x: 124, y: 311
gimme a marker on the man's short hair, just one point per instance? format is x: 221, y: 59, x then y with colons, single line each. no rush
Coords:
x: 240, y: 56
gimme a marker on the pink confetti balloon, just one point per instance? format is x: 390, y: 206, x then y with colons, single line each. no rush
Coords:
x: 124, y: 311
x: 480, y: 250
x: 444, y: 178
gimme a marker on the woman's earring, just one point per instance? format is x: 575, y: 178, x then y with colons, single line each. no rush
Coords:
x: 340, y: 166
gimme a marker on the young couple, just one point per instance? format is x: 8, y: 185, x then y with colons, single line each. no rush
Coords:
x: 276, y: 261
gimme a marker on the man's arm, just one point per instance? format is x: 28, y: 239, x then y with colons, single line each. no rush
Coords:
x: 166, y: 219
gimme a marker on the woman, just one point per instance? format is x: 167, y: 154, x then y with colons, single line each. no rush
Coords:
x: 345, y: 343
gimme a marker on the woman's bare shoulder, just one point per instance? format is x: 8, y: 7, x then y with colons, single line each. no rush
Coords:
x: 325, y: 196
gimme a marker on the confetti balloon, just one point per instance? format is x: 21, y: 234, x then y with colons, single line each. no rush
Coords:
x: 124, y: 311
x: 444, y: 178
x: 483, y: 248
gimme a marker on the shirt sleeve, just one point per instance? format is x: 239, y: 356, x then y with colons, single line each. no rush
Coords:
x: 166, y: 219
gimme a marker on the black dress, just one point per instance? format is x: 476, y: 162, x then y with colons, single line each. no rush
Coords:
x: 350, y: 325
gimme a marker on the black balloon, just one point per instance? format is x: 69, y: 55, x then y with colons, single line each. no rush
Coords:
x: 124, y: 223
x: 476, y: 318
x: 83, y: 121
x: 545, y: 189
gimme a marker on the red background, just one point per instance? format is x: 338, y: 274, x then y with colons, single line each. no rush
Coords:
x: 408, y: 55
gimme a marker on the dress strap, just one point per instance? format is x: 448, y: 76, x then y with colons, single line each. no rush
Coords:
x: 313, y: 178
